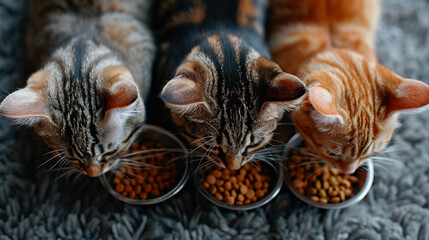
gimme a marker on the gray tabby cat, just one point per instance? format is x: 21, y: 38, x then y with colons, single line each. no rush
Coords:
x: 87, y: 100
x: 224, y: 93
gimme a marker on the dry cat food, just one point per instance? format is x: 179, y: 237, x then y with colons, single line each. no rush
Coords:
x: 319, y: 182
x: 239, y: 187
x: 143, y: 181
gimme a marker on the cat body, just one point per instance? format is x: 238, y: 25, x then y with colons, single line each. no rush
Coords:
x: 352, y: 105
x: 87, y: 99
x: 223, y: 92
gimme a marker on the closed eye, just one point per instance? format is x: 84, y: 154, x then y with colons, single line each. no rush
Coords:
x: 334, y: 154
x: 110, y: 153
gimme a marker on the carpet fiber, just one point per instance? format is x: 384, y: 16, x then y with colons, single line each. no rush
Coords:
x: 35, y: 204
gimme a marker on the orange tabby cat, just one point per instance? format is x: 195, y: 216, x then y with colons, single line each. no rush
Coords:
x: 353, y: 102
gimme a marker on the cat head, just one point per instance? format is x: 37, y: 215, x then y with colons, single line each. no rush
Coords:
x: 226, y: 99
x: 84, y: 105
x: 352, y: 106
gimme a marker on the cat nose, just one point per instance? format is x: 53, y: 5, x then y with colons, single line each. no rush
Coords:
x: 93, y: 170
x: 347, y: 167
x: 232, y: 161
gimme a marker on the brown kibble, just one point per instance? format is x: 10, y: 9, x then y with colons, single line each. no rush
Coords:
x: 319, y: 182
x: 217, y: 174
x: 138, y: 189
x: 322, y: 193
x: 165, y: 175
x: 243, y: 186
x: 325, y: 185
x: 260, y: 193
x: 155, y: 193
x: 219, y: 182
x: 240, y: 197
x: 147, y: 188
x: 120, y: 187
x: 143, y: 195
x: 211, y: 179
x: 126, y: 181
x: 128, y: 188
x: 250, y: 194
x: 227, y: 185
x: 257, y: 185
x: 314, y: 198
x: 298, y: 183
x: 132, y: 195
x: 213, y: 189
x: 143, y: 183
x: 153, y: 171
x: 243, y: 189
x: 233, y: 194
x: 230, y: 200
x: 312, y: 191
x: 219, y: 196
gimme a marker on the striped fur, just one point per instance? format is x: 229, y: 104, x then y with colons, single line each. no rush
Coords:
x: 224, y: 94
x: 353, y: 102
x: 95, y: 60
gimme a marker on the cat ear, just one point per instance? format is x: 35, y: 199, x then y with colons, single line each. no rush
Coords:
x: 27, y: 105
x: 410, y: 94
x: 324, y: 102
x: 285, y: 88
x: 120, y: 88
x: 182, y: 95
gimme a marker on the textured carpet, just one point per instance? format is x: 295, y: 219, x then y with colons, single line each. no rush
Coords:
x: 35, y: 204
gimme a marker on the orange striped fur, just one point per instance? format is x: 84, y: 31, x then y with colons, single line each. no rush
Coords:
x: 352, y: 105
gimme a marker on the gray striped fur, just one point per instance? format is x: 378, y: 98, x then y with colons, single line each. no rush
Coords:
x: 88, y: 51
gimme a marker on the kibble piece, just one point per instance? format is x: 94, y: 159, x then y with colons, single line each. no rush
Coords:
x: 319, y: 182
x: 211, y: 179
x: 257, y: 185
x: 120, y: 187
x: 219, y: 196
x: 230, y: 200
x: 240, y: 197
x: 217, y: 173
x: 243, y: 189
x: 227, y: 185
x: 243, y: 186
x: 250, y: 194
x: 142, y: 182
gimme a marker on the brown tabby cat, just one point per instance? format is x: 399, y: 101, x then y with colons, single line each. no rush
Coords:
x: 86, y: 100
x: 352, y: 105
x: 224, y: 94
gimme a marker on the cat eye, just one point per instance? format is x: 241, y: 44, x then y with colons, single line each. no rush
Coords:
x: 253, y: 145
x: 333, y: 154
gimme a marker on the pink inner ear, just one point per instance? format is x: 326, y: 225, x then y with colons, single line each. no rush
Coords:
x: 23, y: 103
x: 181, y: 91
x: 124, y: 93
x: 323, y: 100
x: 286, y: 87
x: 410, y: 94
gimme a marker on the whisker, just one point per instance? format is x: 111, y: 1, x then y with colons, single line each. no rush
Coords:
x: 164, y: 150
x: 50, y: 159
x: 193, y: 150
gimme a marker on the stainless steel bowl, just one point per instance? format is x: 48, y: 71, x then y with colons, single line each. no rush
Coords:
x: 366, y: 177
x: 275, y: 186
x: 155, y: 134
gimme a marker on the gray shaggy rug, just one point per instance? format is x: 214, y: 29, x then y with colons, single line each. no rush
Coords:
x: 35, y: 204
